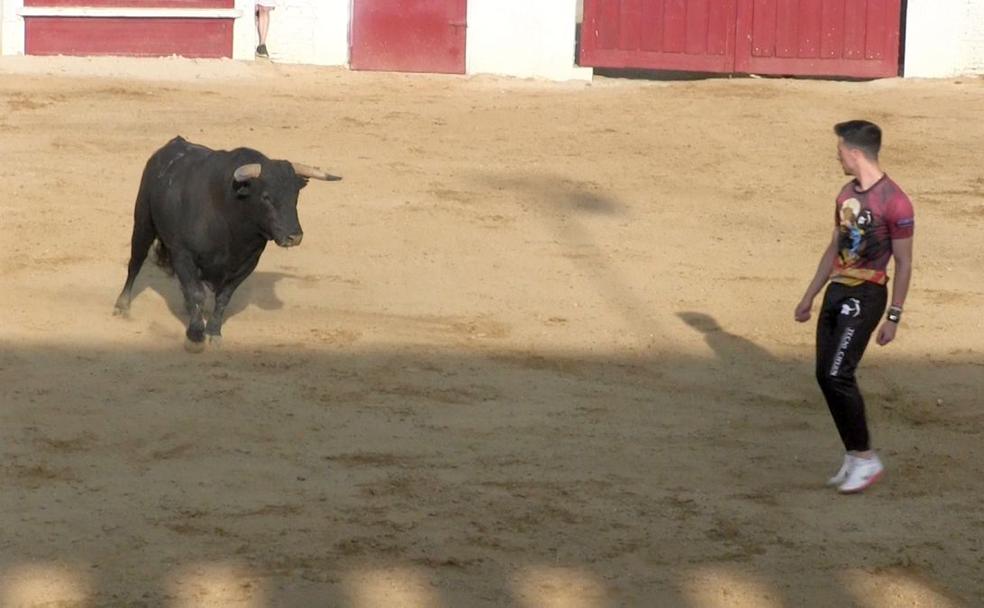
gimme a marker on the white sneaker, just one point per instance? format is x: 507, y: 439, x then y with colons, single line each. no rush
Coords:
x: 865, y: 472
x: 841, y: 475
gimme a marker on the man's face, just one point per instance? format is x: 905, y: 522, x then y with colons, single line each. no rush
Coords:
x: 846, y: 157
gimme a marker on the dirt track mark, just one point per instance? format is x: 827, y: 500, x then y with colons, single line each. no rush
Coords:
x: 449, y: 396
x: 19, y: 102
x: 33, y: 476
x: 340, y: 337
x: 80, y: 443
x: 372, y: 460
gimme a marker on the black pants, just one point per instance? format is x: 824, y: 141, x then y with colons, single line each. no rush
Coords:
x: 848, y: 317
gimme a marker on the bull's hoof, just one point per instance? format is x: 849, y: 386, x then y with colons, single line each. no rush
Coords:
x: 121, y: 309
x: 194, y: 347
x: 215, y: 340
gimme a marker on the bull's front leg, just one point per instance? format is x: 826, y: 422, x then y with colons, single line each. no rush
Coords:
x: 214, y: 327
x: 194, y: 296
x: 224, y: 293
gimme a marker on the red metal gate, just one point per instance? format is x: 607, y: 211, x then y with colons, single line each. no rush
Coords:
x: 128, y: 27
x: 855, y: 38
x: 409, y: 35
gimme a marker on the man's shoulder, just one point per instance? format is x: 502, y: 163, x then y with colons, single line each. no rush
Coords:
x: 890, y: 186
x: 894, y: 193
x: 847, y: 191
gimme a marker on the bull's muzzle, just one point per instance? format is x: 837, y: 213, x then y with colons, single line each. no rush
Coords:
x: 292, y: 240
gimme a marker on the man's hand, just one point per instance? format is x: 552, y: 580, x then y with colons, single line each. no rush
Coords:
x: 886, y: 333
x: 802, y: 312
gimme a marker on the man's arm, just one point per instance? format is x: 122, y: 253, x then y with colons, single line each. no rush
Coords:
x: 902, y: 252
x: 826, y: 265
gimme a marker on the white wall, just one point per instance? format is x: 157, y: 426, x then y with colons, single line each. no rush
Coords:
x: 11, y: 28
x: 309, y: 31
x: 301, y: 31
x: 526, y: 38
x: 944, y: 38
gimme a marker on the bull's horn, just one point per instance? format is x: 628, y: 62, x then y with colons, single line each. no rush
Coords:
x: 313, y: 172
x: 250, y: 171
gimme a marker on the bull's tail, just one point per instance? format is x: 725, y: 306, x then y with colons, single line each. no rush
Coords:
x: 162, y: 257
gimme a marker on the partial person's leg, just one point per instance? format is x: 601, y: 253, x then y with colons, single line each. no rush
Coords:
x: 262, y: 27
x: 826, y: 348
x: 858, y: 311
x: 827, y: 340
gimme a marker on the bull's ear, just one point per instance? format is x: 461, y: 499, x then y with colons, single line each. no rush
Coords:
x: 301, y: 182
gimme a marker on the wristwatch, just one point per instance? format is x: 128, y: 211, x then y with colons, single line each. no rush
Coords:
x: 894, y: 314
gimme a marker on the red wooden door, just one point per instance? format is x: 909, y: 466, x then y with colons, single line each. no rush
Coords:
x: 409, y: 35
x: 695, y: 35
x: 857, y: 38
x: 854, y: 38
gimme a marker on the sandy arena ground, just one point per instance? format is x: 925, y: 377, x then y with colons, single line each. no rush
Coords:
x: 536, y: 350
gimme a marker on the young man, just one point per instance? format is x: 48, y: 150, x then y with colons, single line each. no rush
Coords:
x: 874, y: 222
x: 263, y: 8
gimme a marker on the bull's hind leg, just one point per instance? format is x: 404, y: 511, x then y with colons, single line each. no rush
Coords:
x: 143, y: 237
x: 194, y: 294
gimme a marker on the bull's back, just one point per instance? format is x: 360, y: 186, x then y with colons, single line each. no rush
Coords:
x: 168, y: 177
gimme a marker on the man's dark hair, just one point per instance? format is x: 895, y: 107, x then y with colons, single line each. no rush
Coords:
x: 861, y: 135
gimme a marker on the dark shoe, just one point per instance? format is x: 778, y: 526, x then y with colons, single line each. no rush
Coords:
x: 261, y: 51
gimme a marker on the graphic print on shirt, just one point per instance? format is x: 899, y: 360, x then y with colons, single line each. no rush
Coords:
x: 857, y: 240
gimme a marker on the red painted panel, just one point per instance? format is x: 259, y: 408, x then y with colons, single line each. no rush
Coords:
x: 764, y: 28
x: 832, y: 29
x: 697, y: 16
x: 128, y: 36
x: 854, y: 28
x: 608, y: 14
x: 877, y: 32
x: 820, y: 67
x: 675, y: 26
x: 135, y: 3
x: 652, y: 25
x: 721, y: 28
x: 629, y: 28
x: 409, y: 35
x: 673, y: 34
x: 809, y: 19
x: 787, y: 44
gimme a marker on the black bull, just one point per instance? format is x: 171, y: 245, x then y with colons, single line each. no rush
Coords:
x: 212, y: 213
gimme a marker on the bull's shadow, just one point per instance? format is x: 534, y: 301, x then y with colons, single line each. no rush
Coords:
x: 258, y: 290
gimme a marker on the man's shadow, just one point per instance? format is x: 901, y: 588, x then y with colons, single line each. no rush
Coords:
x: 748, y: 368
x: 259, y: 289
x: 729, y: 348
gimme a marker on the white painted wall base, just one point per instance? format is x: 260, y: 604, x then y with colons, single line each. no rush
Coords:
x: 944, y: 39
x: 523, y: 38
x: 11, y: 27
x: 244, y: 32
x: 306, y: 31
